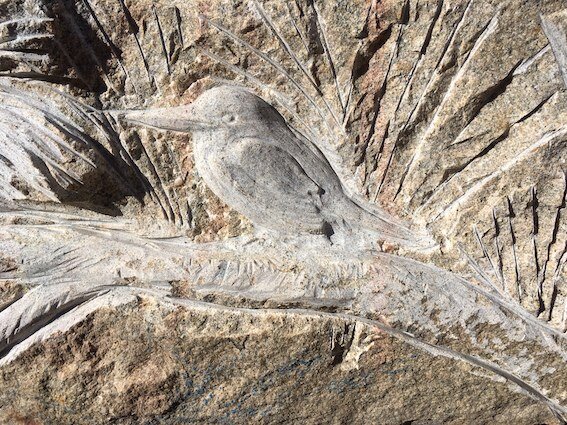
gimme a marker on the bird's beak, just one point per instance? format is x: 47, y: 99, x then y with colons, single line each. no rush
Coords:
x: 180, y: 118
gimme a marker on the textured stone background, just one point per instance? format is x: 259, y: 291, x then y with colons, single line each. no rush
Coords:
x: 216, y: 365
x: 455, y: 121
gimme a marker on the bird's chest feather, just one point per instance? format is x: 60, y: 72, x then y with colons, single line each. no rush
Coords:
x: 208, y: 152
x: 222, y: 162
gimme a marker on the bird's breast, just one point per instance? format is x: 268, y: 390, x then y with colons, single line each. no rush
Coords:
x: 213, y: 157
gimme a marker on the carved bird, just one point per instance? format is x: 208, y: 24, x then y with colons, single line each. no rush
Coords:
x: 251, y: 159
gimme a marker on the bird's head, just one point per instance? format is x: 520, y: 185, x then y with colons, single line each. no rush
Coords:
x: 219, y: 109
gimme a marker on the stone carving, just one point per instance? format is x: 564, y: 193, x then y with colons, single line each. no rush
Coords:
x: 252, y: 160
x: 402, y: 167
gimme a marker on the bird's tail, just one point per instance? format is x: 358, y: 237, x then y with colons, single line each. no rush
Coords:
x: 366, y: 219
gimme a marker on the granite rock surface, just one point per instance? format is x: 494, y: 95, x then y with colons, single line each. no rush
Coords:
x: 130, y: 293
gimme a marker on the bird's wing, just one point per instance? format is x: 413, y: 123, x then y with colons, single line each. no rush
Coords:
x: 268, y: 182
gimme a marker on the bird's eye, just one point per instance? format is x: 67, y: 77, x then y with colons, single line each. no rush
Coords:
x: 229, y: 118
